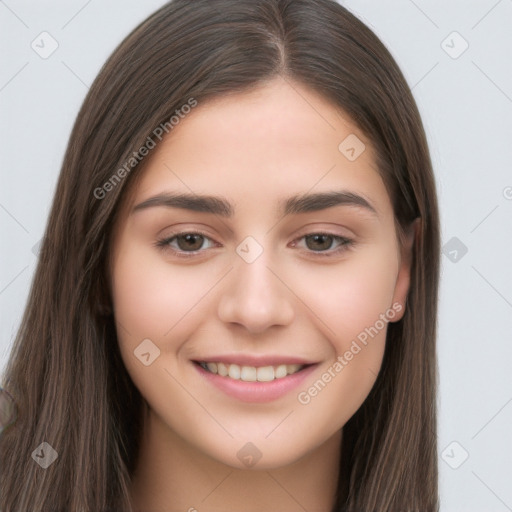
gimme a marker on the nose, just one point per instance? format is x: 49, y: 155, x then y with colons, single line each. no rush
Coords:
x: 255, y: 296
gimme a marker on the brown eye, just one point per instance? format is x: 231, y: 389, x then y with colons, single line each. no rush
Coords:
x: 319, y: 242
x: 189, y: 241
x: 325, y: 244
x: 185, y: 242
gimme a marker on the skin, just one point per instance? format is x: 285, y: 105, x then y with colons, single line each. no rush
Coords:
x: 253, y: 149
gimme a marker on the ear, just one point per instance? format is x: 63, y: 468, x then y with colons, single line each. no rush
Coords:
x: 403, y: 279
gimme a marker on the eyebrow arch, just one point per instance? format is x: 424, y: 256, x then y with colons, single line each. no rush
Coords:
x: 293, y: 205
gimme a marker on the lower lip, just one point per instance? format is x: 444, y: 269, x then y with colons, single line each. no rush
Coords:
x: 256, y: 392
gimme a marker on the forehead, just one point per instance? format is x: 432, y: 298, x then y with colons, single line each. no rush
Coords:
x: 268, y: 144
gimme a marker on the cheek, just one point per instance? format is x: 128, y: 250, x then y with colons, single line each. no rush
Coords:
x: 151, y: 298
x: 156, y: 301
x: 350, y: 296
x: 350, y: 301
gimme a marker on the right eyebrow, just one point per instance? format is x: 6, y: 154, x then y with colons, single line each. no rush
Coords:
x: 208, y: 204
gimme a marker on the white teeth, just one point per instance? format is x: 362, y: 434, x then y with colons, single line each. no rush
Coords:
x: 222, y: 369
x: 251, y: 373
x: 265, y: 374
x: 212, y: 367
x: 234, y: 371
x: 293, y: 368
x: 281, y: 371
x: 248, y: 373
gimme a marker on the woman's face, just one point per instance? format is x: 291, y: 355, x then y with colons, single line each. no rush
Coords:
x: 232, y: 253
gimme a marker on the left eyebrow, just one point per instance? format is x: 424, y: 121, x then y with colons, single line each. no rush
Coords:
x: 293, y: 205
x: 320, y: 201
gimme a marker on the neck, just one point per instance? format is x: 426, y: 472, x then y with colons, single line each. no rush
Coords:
x: 172, y: 475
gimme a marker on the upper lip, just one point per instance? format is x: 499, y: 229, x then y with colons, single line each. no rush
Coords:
x: 254, y: 360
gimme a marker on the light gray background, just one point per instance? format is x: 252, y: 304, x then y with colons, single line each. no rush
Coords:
x: 466, y: 104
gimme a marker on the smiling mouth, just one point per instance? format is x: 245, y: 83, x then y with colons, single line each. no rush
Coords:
x: 251, y: 373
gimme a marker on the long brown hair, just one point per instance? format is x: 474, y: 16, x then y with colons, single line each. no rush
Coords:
x: 65, y: 372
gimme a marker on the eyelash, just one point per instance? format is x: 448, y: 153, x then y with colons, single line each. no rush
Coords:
x: 345, y: 244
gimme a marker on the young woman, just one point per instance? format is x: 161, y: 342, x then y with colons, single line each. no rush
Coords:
x: 235, y: 302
